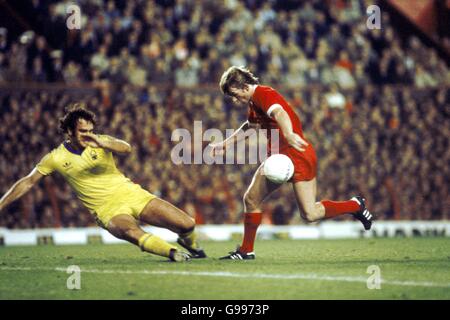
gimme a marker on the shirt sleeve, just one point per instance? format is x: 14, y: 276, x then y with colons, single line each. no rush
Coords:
x: 47, y: 164
x: 265, y: 99
x: 105, y: 137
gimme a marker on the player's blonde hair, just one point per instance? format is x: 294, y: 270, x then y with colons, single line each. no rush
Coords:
x: 236, y: 77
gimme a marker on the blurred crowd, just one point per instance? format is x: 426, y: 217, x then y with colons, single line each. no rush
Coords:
x: 375, y: 104
x: 190, y: 42
x: 390, y: 144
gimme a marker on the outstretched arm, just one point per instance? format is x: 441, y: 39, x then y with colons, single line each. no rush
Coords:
x: 108, y: 143
x: 283, y: 120
x: 20, y: 188
x: 235, y: 137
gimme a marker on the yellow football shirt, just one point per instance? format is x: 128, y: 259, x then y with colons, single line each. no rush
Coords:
x: 92, y: 174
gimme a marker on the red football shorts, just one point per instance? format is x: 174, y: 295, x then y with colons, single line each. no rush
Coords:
x: 305, y: 163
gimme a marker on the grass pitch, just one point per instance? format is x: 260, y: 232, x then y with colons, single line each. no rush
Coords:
x: 411, y: 268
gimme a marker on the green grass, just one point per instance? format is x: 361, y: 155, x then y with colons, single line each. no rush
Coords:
x: 30, y: 272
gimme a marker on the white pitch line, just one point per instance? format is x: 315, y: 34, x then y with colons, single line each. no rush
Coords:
x: 306, y: 276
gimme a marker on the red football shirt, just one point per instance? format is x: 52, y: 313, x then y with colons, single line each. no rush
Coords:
x: 259, y: 112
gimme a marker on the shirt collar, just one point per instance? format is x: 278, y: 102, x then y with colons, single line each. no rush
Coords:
x: 70, y: 149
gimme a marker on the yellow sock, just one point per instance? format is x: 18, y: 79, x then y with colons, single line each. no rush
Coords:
x: 154, y: 244
x: 190, y: 238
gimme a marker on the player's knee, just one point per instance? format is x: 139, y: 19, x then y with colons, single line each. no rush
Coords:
x: 250, y: 203
x: 309, y: 215
x: 184, y: 224
x: 188, y: 226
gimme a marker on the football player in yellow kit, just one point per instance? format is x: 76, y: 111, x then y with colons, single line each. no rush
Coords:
x: 86, y: 162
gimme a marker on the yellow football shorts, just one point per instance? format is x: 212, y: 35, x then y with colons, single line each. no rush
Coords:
x: 129, y: 199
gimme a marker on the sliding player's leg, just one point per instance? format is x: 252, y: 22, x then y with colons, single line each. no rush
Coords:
x: 162, y: 214
x: 305, y: 192
x: 259, y: 189
x: 126, y: 227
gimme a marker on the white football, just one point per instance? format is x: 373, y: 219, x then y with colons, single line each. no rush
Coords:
x: 278, y: 168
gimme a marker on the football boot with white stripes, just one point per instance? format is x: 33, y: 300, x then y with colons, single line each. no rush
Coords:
x: 237, y: 255
x: 363, y: 214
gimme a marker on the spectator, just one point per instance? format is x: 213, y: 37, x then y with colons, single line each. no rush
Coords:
x: 424, y: 78
x: 99, y: 60
x: 382, y: 127
x: 136, y: 75
x: 156, y: 54
x: 150, y: 31
x: 71, y: 73
x: 38, y: 74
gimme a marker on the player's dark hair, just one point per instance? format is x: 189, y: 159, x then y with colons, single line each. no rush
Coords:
x: 236, y: 77
x: 74, y: 112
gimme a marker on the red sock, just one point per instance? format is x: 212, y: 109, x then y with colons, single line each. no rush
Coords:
x: 337, y: 208
x: 251, y: 223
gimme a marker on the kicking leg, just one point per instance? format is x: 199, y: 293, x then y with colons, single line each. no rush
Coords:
x: 125, y: 227
x: 305, y: 192
x: 162, y: 214
x: 259, y: 189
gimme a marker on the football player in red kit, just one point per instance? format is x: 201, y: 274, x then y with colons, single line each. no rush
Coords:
x: 267, y: 109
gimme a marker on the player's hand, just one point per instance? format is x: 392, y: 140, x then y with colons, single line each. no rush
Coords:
x: 296, y: 142
x: 92, y: 140
x: 216, y: 149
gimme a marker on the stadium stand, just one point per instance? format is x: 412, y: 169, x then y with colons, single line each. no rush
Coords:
x: 375, y: 104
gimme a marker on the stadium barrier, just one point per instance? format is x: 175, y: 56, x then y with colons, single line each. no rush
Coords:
x: 325, y: 230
